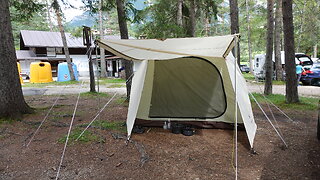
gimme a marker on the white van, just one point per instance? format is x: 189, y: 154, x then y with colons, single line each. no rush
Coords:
x: 260, y: 59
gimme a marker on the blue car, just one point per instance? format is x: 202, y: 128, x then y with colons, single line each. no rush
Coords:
x: 311, y: 76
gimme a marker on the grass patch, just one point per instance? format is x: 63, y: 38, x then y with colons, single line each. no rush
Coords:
x: 248, y: 76
x: 117, y: 85
x: 279, y: 100
x: 111, y: 80
x: 116, y: 126
x: 94, y: 94
x: 86, y: 137
x: 54, y: 83
x: 7, y: 121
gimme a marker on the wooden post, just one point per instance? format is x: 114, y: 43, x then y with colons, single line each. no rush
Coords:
x: 87, y: 42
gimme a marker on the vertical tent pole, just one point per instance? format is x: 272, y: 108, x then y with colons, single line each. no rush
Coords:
x: 236, y: 104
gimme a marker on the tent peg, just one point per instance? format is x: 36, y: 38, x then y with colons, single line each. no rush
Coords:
x: 252, y: 151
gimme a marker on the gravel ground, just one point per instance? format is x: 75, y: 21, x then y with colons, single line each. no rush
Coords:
x: 307, y: 91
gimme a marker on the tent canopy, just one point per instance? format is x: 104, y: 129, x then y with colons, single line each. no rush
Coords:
x: 185, y: 79
x: 156, y: 49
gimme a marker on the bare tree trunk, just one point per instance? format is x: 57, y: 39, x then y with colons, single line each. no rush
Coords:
x: 49, y: 16
x: 249, y: 38
x: 102, y: 54
x: 12, y: 101
x: 124, y: 35
x: 315, y: 50
x: 234, y: 16
x: 301, y: 25
x: 288, y: 29
x: 64, y: 39
x: 277, y: 41
x: 269, y: 50
x: 179, y: 12
x: 192, y: 19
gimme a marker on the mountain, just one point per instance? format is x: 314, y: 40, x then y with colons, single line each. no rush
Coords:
x: 83, y: 20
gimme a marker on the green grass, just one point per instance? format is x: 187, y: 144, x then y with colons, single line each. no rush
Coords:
x: 248, y: 76
x: 111, y: 80
x: 305, y: 103
x: 86, y: 137
x: 94, y: 94
x: 116, y: 126
x: 117, y: 86
x: 54, y: 83
x: 7, y: 121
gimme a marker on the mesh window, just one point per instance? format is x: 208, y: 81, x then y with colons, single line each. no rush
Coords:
x: 187, y: 88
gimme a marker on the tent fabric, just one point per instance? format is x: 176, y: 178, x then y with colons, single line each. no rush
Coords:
x: 154, y: 49
x: 185, y: 79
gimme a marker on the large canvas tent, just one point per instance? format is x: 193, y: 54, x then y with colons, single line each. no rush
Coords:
x: 185, y: 79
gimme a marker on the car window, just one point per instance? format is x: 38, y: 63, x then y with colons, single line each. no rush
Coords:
x: 317, y: 66
x: 303, y: 59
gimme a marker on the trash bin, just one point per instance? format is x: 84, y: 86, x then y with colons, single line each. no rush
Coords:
x: 19, y: 71
x: 64, y: 74
x: 40, y: 72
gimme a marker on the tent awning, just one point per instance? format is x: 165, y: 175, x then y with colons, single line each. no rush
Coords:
x: 154, y: 49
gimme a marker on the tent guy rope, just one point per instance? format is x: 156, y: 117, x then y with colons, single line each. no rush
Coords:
x: 284, y: 142
x: 44, y: 119
x: 96, y: 116
x: 69, y: 131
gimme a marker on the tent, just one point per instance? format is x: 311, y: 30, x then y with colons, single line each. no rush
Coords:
x: 185, y: 79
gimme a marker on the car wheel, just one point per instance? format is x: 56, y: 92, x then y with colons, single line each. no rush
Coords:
x: 305, y: 83
x: 315, y: 82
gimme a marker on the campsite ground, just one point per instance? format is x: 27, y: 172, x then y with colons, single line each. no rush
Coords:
x: 156, y: 154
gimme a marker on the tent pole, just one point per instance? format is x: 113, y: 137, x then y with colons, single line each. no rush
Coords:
x: 236, y: 106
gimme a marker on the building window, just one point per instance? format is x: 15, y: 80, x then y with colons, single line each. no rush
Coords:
x: 51, y: 51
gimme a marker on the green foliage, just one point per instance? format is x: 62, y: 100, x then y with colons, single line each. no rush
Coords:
x: 27, y: 15
x: 280, y: 101
x: 24, y: 10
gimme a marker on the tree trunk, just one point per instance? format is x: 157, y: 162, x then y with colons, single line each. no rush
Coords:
x: 315, y: 50
x: 277, y: 41
x: 64, y: 39
x: 269, y: 50
x: 192, y: 19
x: 290, y: 67
x: 301, y: 25
x: 103, y: 68
x: 234, y: 16
x: 249, y: 38
x: 179, y: 12
x: 49, y: 16
x: 124, y: 35
x: 12, y: 101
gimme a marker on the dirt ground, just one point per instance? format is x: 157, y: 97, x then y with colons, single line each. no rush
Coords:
x: 155, y: 154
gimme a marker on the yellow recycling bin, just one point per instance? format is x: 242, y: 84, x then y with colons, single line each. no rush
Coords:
x: 19, y: 70
x: 40, y: 72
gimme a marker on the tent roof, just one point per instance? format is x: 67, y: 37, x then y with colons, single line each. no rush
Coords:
x: 157, y: 49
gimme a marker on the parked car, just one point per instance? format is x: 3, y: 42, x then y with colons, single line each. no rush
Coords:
x: 304, y: 60
x: 244, y: 68
x: 311, y: 76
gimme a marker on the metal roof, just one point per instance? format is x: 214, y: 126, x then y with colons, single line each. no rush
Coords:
x: 49, y: 39
x: 27, y: 54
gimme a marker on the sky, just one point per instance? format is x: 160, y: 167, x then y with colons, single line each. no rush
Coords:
x: 70, y: 13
